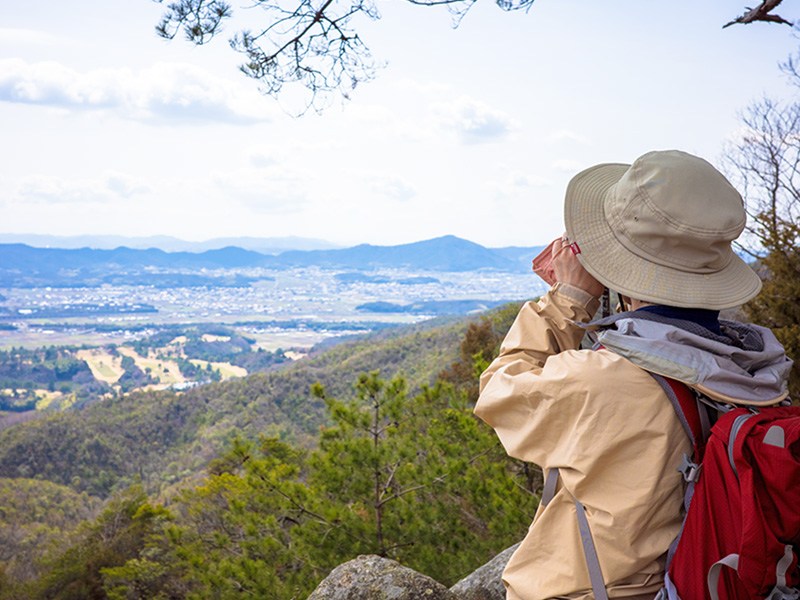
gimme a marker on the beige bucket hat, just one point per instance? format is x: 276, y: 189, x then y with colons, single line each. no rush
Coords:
x: 660, y: 230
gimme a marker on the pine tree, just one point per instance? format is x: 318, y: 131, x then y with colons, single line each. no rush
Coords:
x: 236, y: 533
x: 418, y: 479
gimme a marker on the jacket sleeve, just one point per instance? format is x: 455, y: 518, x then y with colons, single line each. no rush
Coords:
x: 519, y: 387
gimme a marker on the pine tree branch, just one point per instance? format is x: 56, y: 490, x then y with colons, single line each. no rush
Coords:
x: 435, y: 480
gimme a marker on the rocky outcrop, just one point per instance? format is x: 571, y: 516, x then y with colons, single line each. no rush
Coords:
x: 487, y: 582
x: 376, y: 578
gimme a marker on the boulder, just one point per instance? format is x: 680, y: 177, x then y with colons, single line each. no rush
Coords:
x: 375, y: 578
x: 486, y: 582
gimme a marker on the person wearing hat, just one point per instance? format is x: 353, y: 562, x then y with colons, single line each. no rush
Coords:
x: 658, y: 232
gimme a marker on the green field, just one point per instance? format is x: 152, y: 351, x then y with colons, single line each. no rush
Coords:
x: 103, y: 365
x: 226, y: 370
x: 166, y: 371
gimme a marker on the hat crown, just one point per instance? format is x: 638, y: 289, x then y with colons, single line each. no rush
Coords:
x: 676, y: 210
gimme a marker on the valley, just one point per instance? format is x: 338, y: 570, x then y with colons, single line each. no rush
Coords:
x: 295, y: 308
x: 115, y: 339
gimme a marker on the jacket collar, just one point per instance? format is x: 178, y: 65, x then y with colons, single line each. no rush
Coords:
x: 745, y: 365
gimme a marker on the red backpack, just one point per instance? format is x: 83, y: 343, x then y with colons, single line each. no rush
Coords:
x: 741, y: 533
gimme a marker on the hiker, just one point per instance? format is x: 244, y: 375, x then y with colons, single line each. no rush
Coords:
x: 600, y: 425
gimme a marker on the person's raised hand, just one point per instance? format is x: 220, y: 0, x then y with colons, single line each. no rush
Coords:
x: 569, y: 270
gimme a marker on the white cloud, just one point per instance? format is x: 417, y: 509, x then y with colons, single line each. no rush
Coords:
x: 273, y: 192
x: 261, y: 159
x: 428, y: 88
x: 473, y: 121
x: 391, y: 186
x: 111, y: 187
x: 290, y: 150
x: 567, y: 165
x: 170, y: 92
x: 516, y: 183
x: 382, y: 123
x: 124, y: 185
x: 27, y: 36
x: 565, y: 135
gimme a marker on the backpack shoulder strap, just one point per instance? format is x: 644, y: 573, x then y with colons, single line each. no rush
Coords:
x: 691, y: 412
x: 693, y: 415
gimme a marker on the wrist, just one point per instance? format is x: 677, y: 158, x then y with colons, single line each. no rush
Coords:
x: 579, y: 295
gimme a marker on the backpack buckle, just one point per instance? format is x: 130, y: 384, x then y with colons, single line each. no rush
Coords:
x: 783, y: 593
x: 689, y: 470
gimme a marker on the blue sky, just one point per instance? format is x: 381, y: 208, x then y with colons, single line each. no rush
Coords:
x: 474, y: 131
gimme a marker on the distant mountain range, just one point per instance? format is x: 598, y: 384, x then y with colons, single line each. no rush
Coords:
x: 269, y: 245
x: 22, y: 265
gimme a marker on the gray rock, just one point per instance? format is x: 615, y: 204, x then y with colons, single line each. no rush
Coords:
x: 486, y: 583
x: 375, y: 578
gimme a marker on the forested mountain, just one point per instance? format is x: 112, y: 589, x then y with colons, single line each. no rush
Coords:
x: 262, y: 485
x: 34, y: 516
x: 161, y: 437
x: 25, y: 266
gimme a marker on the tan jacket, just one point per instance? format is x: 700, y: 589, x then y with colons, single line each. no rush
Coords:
x: 609, y: 428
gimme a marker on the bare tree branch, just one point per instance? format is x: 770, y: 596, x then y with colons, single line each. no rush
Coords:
x: 765, y: 161
x: 762, y: 12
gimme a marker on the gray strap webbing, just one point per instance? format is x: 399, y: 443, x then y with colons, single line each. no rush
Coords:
x: 780, y: 591
x: 676, y: 405
x: 549, y: 489
x: 783, y: 565
x: 592, y: 562
x: 783, y: 594
x: 589, y: 551
x: 673, y: 547
x: 705, y: 422
x: 670, y: 592
x: 732, y: 561
x: 738, y: 422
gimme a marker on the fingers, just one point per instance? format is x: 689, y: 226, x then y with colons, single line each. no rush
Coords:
x: 568, y: 268
x: 560, y: 244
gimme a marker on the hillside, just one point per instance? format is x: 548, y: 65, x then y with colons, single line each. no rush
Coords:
x: 162, y: 437
x: 261, y: 483
x: 34, y: 516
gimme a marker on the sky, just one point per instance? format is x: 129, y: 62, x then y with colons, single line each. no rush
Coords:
x: 471, y: 131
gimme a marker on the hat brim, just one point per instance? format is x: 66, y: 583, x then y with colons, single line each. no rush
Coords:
x: 616, y: 267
